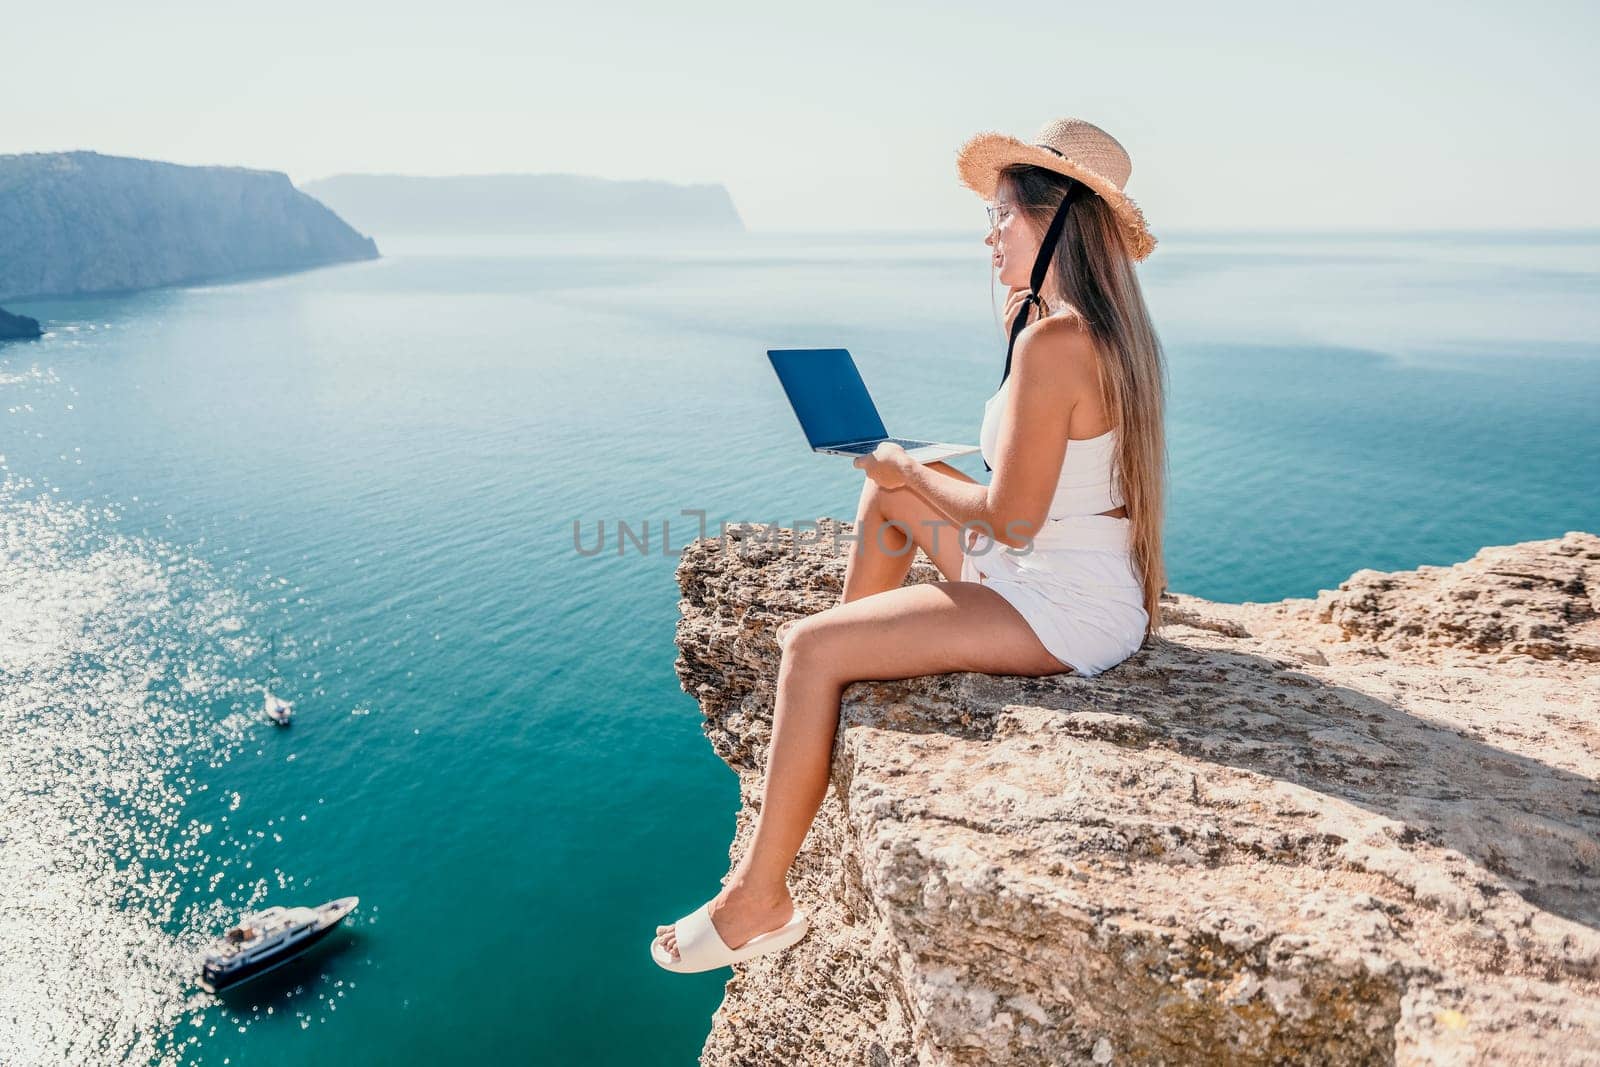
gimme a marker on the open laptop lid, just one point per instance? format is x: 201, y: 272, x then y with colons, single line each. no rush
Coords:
x: 828, y: 395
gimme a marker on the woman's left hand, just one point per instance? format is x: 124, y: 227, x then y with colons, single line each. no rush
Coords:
x: 887, y: 465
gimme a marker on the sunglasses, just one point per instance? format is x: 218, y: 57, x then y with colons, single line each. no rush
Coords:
x: 998, y: 213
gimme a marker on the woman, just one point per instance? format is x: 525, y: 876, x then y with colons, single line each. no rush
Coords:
x: 1058, y: 564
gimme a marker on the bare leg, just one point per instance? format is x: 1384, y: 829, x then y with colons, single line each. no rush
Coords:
x: 901, y: 633
x: 887, y: 522
x: 806, y: 713
x: 756, y: 897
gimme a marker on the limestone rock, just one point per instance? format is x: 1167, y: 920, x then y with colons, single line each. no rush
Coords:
x: 1335, y: 831
x: 1540, y: 599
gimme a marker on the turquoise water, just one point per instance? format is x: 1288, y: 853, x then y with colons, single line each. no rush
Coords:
x: 381, y: 465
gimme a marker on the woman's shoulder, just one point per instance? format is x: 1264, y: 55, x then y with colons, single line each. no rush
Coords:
x: 1058, y: 346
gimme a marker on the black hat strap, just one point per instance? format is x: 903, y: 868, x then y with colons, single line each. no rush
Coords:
x: 1041, y: 264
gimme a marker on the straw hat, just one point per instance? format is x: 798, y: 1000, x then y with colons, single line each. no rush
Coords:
x: 1069, y: 146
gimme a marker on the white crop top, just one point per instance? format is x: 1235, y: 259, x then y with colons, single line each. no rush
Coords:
x: 1085, y: 486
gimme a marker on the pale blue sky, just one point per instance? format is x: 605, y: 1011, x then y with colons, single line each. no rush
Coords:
x: 824, y: 116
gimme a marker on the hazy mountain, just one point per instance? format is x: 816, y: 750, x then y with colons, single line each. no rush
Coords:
x: 524, y: 204
x: 81, y: 222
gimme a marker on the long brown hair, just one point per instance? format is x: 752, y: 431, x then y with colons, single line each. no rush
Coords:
x: 1094, y: 274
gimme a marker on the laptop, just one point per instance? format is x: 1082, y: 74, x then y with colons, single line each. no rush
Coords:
x: 835, y: 410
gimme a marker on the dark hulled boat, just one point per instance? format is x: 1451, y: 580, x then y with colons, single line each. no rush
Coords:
x: 267, y: 938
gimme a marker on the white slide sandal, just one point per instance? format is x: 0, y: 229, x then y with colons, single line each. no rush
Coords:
x: 701, y: 948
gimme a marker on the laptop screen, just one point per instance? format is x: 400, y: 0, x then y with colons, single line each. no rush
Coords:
x: 828, y: 395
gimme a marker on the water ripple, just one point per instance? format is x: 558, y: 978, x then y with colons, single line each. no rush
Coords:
x: 120, y: 678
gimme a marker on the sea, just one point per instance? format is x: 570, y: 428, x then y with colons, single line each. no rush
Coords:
x: 394, y: 492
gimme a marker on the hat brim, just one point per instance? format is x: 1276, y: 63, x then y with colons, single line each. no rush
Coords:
x: 983, y: 156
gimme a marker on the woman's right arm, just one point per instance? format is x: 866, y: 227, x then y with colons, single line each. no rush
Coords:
x: 945, y: 468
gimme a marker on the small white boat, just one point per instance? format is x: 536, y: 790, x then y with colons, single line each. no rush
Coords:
x: 269, y: 938
x: 279, y: 710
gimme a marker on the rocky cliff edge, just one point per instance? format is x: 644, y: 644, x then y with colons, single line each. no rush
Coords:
x: 1359, y: 828
x: 81, y: 222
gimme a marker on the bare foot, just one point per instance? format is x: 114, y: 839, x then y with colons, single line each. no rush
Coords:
x: 738, y: 915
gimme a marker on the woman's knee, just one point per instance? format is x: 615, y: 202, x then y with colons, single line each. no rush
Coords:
x: 875, y: 497
x: 800, y: 639
x: 889, y: 532
x: 809, y: 640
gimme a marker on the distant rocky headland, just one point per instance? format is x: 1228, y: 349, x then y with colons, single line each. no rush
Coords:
x: 1360, y: 828
x: 524, y: 204
x: 81, y: 222
x: 17, y: 326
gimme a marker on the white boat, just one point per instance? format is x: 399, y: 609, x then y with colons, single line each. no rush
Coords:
x: 279, y: 710
x: 269, y: 938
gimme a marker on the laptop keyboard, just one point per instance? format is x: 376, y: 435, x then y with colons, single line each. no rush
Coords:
x: 864, y: 447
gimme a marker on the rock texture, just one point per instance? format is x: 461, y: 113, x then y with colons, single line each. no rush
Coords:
x: 81, y: 222
x: 1360, y: 828
x: 13, y: 327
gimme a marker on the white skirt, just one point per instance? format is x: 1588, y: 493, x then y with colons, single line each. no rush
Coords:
x: 1076, y: 584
